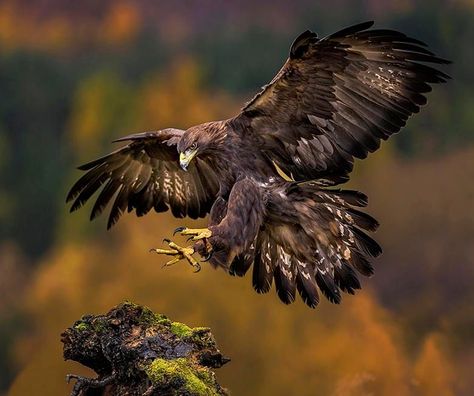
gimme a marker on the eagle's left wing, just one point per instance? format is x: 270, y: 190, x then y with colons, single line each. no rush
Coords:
x: 335, y: 99
x: 145, y: 174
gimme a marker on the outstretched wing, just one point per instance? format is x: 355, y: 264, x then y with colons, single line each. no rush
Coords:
x: 335, y: 99
x: 145, y: 174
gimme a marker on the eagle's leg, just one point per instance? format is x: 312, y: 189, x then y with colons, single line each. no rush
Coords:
x: 201, y: 237
x: 236, y: 222
x: 180, y: 253
x: 196, y: 235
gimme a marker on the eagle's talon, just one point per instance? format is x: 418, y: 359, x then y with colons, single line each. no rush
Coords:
x: 178, y: 229
x: 180, y: 253
x: 194, y: 233
x: 207, y: 257
x: 171, y: 262
x: 169, y: 252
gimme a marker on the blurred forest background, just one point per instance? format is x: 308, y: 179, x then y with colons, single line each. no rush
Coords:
x: 74, y: 75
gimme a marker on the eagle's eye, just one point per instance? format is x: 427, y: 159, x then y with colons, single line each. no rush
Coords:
x: 193, y: 146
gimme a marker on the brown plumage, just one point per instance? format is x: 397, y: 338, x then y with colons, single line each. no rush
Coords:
x: 263, y: 176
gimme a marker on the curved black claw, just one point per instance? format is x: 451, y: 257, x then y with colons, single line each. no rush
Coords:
x: 207, y: 257
x: 166, y: 240
x: 197, y: 268
x: 191, y: 237
x: 178, y: 229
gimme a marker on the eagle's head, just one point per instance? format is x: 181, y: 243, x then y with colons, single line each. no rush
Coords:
x: 200, y: 140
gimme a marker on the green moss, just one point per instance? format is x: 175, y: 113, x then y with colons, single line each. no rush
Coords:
x: 147, y: 316
x: 202, y: 336
x: 195, y: 381
x: 201, y: 329
x: 162, y: 320
x: 81, y: 326
x: 181, y: 330
x: 206, y: 375
x: 99, y: 324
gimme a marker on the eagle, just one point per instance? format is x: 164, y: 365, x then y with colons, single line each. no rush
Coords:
x: 268, y: 178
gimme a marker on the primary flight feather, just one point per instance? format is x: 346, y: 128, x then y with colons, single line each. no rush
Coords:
x: 263, y: 175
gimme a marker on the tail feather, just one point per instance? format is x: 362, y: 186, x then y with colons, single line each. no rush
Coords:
x: 323, y: 245
x: 263, y: 268
x: 351, y: 197
x: 328, y: 286
x: 361, y: 264
x: 306, y: 284
x: 241, y: 264
x: 362, y: 220
x: 346, y: 278
x: 285, y: 277
x: 366, y: 244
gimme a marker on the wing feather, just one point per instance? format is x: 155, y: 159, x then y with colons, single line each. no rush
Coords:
x: 336, y: 98
x: 145, y: 174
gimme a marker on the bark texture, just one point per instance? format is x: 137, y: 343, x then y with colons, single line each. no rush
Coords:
x: 137, y: 352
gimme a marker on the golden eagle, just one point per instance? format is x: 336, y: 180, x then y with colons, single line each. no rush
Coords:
x: 266, y: 176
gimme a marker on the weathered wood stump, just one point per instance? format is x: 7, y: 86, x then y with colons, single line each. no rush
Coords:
x: 137, y: 352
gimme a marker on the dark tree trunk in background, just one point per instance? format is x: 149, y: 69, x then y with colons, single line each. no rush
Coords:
x: 137, y: 352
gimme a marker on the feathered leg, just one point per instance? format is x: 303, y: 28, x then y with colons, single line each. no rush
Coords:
x: 197, y: 234
x: 218, y: 212
x: 234, y: 227
x: 239, y: 223
x: 202, y: 246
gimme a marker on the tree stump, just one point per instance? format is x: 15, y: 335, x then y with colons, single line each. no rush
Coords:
x: 137, y: 352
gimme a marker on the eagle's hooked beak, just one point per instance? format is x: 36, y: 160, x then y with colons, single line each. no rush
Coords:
x: 186, y: 158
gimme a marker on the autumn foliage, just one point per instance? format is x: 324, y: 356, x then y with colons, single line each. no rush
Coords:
x: 408, y: 332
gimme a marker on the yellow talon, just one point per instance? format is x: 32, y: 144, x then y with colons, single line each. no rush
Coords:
x: 180, y: 253
x: 196, y: 233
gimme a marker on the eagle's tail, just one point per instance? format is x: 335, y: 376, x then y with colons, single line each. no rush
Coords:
x: 318, y: 242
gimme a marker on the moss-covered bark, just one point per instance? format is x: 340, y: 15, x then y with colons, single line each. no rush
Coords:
x: 137, y: 352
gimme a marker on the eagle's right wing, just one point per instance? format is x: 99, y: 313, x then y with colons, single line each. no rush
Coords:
x: 146, y: 174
